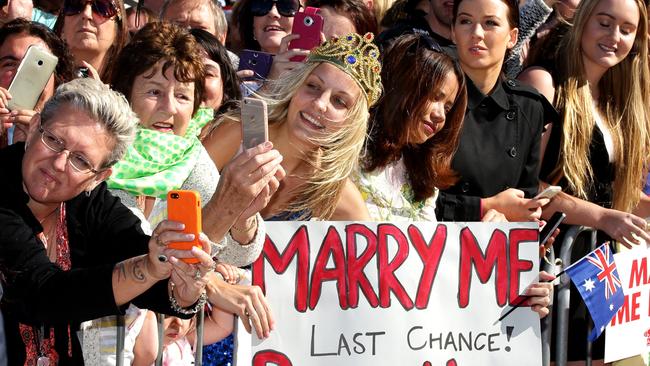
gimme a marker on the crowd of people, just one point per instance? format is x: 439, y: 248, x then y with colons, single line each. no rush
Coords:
x: 408, y: 110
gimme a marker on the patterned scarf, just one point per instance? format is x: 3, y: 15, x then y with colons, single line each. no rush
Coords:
x: 34, y: 346
x: 159, y: 162
x: 201, y: 118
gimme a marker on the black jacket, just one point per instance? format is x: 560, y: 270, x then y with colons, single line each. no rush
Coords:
x: 101, y: 232
x: 499, y: 147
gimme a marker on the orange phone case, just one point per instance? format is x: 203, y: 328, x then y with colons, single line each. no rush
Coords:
x: 185, y: 206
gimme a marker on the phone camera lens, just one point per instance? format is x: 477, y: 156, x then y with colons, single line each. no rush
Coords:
x: 40, y: 62
x: 174, y: 195
x: 253, y: 62
x: 309, y: 21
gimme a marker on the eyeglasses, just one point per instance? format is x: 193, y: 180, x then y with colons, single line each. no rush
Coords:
x: 104, y: 8
x: 286, y: 8
x: 76, y: 160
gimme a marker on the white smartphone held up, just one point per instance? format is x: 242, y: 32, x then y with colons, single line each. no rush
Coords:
x: 254, y: 122
x: 31, y: 77
x: 549, y: 192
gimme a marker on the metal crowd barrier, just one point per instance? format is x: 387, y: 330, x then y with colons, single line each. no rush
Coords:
x: 119, y: 342
x: 563, y: 296
x: 547, y: 322
x: 198, y: 353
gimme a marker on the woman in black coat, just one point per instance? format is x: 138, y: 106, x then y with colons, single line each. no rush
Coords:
x: 499, y: 150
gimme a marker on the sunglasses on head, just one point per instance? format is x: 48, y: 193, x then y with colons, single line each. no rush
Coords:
x: 286, y: 8
x: 104, y: 8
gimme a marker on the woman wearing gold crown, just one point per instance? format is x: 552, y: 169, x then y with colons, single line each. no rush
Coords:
x: 318, y: 115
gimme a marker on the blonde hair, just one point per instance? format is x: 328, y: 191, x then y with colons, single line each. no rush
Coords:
x: 623, y: 103
x: 337, y: 154
x: 380, y: 7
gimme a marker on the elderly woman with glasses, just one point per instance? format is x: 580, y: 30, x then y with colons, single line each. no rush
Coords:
x: 69, y: 251
x: 95, y: 31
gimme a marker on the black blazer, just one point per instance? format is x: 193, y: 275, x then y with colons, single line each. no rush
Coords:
x: 499, y: 147
x: 101, y: 232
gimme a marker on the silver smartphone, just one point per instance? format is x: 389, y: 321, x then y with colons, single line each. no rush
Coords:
x: 254, y: 122
x: 31, y: 77
x: 549, y: 192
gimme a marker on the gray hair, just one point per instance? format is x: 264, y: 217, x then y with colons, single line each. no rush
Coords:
x: 106, y: 106
x: 218, y: 15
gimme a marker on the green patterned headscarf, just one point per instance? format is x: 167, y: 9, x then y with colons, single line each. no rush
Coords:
x: 159, y: 162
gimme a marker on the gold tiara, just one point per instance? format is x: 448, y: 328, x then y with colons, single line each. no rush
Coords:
x: 358, y: 57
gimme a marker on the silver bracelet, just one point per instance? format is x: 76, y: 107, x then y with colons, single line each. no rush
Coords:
x: 190, y: 310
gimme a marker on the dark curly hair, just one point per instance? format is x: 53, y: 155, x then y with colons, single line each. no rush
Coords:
x: 412, y: 74
x: 155, y: 42
x: 65, y: 70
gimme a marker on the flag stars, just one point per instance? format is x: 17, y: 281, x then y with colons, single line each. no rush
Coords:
x: 589, y: 285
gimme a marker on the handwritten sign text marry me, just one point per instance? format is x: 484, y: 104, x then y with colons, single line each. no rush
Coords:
x: 407, y: 294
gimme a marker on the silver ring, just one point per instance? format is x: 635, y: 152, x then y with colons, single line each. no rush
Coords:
x: 197, y: 274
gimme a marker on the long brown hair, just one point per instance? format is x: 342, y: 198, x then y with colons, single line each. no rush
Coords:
x: 412, y: 74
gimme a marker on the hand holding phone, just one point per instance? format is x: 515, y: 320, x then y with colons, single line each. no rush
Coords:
x: 185, y: 207
x: 257, y: 61
x: 32, y: 76
x: 549, y: 192
x: 309, y: 26
x: 552, y: 224
x: 254, y: 122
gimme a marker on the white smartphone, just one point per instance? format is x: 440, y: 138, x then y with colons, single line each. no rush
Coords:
x: 549, y: 192
x: 31, y: 77
x: 254, y: 122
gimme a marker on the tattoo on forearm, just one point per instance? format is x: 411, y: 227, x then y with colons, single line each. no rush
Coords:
x: 139, y: 269
x: 120, y: 270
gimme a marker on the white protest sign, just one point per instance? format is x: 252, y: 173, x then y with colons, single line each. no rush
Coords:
x: 397, y: 294
x: 628, y: 333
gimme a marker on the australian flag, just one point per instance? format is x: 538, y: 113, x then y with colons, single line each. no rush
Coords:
x: 597, y: 280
